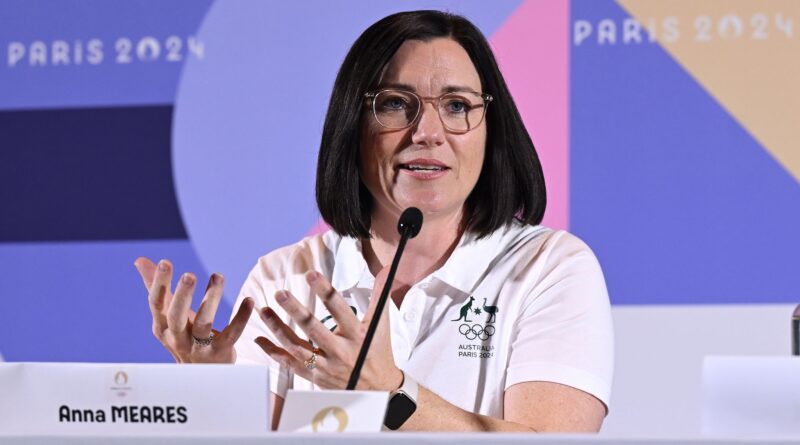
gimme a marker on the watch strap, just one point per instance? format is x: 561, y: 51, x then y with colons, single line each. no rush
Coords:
x: 409, y: 387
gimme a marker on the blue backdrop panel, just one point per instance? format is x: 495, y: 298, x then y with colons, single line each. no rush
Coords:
x: 88, y: 174
x: 679, y: 202
x: 118, y: 52
x: 83, y: 301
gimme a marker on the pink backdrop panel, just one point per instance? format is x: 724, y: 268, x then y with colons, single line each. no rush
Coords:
x: 532, y: 50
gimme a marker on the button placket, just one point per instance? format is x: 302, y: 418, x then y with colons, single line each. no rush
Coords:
x: 400, y: 335
x: 413, y: 314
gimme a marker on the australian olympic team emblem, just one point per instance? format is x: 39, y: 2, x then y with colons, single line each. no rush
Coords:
x: 472, y: 330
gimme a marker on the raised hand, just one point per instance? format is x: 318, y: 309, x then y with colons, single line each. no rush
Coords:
x: 187, y: 335
x: 329, y: 366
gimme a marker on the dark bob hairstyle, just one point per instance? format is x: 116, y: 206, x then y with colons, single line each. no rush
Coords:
x: 511, y: 183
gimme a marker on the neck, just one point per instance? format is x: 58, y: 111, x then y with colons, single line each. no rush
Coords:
x: 428, y: 251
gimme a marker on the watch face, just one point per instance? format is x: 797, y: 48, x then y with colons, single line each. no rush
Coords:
x: 400, y: 408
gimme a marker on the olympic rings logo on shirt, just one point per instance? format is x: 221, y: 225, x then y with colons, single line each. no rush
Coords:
x: 476, y: 331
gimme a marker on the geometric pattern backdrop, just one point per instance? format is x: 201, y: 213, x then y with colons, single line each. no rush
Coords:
x: 189, y: 130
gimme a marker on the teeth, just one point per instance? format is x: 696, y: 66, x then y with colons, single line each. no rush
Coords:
x: 424, y: 167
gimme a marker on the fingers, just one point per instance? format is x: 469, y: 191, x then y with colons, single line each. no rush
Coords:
x: 285, y: 335
x: 147, y: 270
x: 346, y: 320
x: 202, y: 324
x: 233, y: 331
x: 305, y: 319
x: 159, y: 295
x: 284, y: 358
x: 178, y: 311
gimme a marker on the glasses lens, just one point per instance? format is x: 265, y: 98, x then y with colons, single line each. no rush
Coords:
x: 461, y: 111
x: 395, y: 109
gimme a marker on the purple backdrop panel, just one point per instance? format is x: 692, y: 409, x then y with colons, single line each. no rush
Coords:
x: 95, y: 52
x: 679, y: 202
x: 84, y: 301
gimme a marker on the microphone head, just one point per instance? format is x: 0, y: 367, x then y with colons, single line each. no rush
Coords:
x: 410, y: 222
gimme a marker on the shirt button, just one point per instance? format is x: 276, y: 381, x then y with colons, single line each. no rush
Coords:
x: 409, y: 316
x: 423, y: 286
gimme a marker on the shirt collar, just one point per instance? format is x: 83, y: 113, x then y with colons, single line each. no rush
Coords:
x: 463, y: 270
x: 470, y: 260
x: 349, y: 266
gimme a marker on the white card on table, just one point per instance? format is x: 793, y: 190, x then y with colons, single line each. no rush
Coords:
x: 84, y: 398
x: 751, y: 396
x: 334, y: 411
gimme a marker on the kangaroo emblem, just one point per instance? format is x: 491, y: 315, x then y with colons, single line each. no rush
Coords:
x: 465, y: 311
x: 491, y: 310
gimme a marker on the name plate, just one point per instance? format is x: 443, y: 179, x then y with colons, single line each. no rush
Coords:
x: 332, y: 411
x: 84, y: 398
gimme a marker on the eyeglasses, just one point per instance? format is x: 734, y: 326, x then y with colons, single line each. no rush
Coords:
x: 459, y: 111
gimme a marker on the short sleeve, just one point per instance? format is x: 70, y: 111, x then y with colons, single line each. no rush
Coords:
x: 564, y: 333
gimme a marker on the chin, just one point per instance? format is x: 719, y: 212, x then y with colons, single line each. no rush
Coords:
x: 434, y: 207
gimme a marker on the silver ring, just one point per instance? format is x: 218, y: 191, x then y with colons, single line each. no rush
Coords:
x: 203, y: 341
x: 311, y: 363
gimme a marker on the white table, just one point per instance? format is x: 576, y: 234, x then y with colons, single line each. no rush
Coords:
x: 383, y: 438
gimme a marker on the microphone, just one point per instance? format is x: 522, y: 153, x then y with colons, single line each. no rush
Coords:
x: 796, y: 331
x: 408, y: 226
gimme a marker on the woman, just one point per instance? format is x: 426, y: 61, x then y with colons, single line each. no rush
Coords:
x: 497, y: 324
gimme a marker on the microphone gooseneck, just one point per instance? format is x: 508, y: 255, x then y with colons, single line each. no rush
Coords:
x: 796, y: 331
x: 408, y: 226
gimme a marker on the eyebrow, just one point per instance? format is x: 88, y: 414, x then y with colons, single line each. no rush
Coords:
x: 405, y: 86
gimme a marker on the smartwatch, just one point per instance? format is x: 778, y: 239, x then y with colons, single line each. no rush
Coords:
x: 402, y: 403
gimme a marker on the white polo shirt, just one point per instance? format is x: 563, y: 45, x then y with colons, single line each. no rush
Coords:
x: 524, y: 304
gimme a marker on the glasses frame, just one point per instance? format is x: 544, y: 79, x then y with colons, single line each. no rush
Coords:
x: 371, y: 95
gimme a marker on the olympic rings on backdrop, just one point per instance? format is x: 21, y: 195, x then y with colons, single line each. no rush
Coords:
x: 476, y: 331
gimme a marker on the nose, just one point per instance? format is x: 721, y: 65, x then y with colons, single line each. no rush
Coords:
x: 428, y: 130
